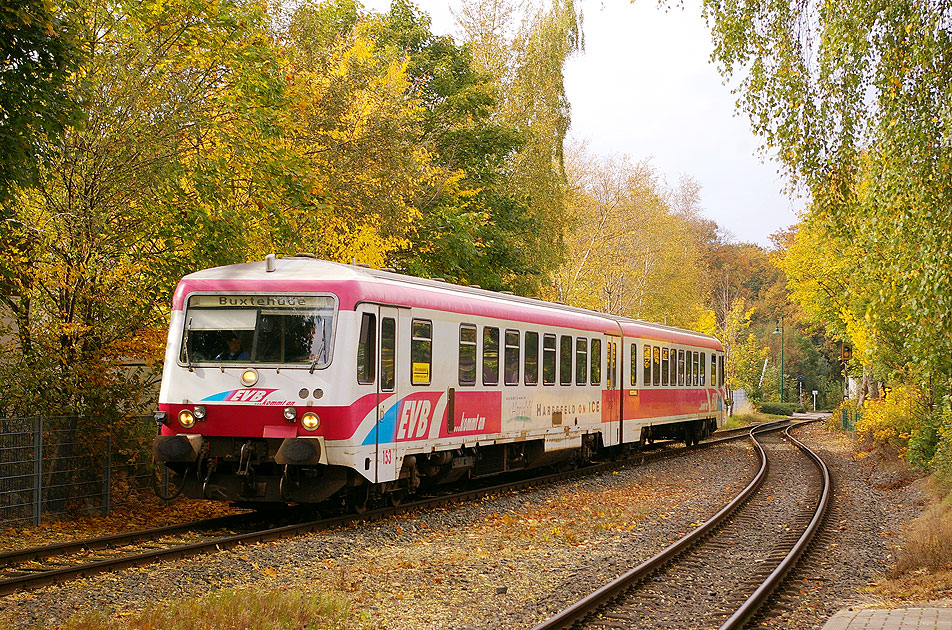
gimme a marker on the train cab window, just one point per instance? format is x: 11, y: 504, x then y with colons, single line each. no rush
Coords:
x: 665, y: 367
x: 548, y: 359
x: 366, y: 349
x: 490, y: 355
x: 713, y: 370
x: 565, y: 360
x: 634, y: 365
x: 681, y: 367
x: 655, y: 366
x: 421, y: 351
x: 596, y: 357
x: 388, y: 353
x: 530, y: 367
x: 647, y: 371
x: 467, y: 355
x: 511, y: 365
x: 702, y: 373
x: 581, y: 361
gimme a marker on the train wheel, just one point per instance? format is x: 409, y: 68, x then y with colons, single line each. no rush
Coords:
x: 357, y: 498
x: 396, y: 497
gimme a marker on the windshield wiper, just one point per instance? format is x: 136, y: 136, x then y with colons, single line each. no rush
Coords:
x: 320, y: 350
x: 188, y: 360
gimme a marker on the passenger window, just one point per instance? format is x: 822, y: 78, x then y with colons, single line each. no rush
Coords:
x: 656, y: 366
x: 366, y: 349
x: 565, y: 360
x: 689, y: 376
x: 388, y: 353
x: 665, y: 366
x: 596, y: 357
x: 674, y: 367
x: 512, y: 357
x: 581, y: 361
x: 548, y: 360
x: 421, y: 351
x: 681, y: 367
x: 647, y: 370
x: 467, y: 355
x: 490, y: 356
x: 697, y: 359
x: 531, y: 365
x: 702, y: 373
x: 634, y: 365
x: 713, y: 370
x: 723, y: 375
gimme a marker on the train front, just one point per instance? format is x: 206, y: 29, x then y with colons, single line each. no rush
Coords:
x: 247, y: 387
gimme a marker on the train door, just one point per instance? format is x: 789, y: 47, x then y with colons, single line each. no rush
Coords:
x: 389, y: 391
x: 611, y: 410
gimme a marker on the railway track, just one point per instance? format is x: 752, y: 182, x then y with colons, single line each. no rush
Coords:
x: 39, y: 566
x: 738, y: 557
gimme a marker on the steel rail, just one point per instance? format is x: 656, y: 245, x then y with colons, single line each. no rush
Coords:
x: 588, y: 604
x: 760, y: 595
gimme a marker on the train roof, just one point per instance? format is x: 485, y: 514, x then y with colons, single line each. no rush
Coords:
x: 355, y: 284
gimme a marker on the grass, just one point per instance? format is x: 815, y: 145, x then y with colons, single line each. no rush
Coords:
x: 232, y: 609
x: 928, y: 543
x: 739, y: 420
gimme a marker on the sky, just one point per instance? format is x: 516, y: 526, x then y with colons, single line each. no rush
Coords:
x: 645, y: 87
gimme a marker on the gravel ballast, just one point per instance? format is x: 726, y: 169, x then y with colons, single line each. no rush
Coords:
x: 510, y: 560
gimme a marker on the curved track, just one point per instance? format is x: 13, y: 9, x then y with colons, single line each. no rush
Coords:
x: 39, y: 566
x: 737, y: 558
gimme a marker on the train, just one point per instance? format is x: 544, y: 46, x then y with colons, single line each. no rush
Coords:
x: 295, y: 380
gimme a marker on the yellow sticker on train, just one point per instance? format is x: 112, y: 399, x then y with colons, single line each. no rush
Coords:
x: 421, y: 372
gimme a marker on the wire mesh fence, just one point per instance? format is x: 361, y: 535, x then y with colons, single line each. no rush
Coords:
x: 50, y: 466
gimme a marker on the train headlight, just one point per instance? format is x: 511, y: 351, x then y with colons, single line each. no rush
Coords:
x: 249, y: 377
x: 186, y: 418
x: 199, y: 412
x: 310, y: 421
x: 290, y: 414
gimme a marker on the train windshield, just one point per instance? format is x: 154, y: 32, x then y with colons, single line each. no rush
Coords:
x: 248, y: 329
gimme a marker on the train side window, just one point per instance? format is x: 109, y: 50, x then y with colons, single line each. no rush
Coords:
x: 721, y: 361
x: 565, y: 360
x: 548, y: 359
x: 713, y: 370
x: 702, y: 373
x: 647, y: 371
x: 388, y: 353
x: 697, y: 371
x: 531, y: 366
x: 655, y: 366
x: 689, y: 372
x: 681, y: 367
x: 467, y: 354
x: 511, y: 365
x: 596, y: 357
x: 421, y: 351
x: 612, y: 365
x: 634, y: 365
x: 665, y: 367
x: 490, y: 355
x: 366, y: 349
x: 581, y: 361
x: 674, y: 367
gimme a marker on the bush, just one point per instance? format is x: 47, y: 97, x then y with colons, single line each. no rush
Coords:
x: 928, y: 544
x: 780, y: 409
x: 891, y: 420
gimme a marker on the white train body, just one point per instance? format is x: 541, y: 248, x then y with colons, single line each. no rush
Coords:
x: 299, y: 380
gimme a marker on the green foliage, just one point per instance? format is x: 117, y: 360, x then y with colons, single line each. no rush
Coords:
x: 780, y: 409
x: 40, y: 47
x: 251, y: 609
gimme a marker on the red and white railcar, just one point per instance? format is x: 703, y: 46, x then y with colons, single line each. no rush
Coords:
x: 301, y: 380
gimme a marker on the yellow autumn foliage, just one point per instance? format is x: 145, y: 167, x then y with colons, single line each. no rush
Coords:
x: 891, y: 420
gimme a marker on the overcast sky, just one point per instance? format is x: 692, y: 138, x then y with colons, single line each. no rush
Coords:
x: 645, y: 87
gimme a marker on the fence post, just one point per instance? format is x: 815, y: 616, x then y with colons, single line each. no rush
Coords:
x: 108, y: 476
x: 37, y: 470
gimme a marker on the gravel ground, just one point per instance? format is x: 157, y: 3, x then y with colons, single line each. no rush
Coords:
x: 510, y: 560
